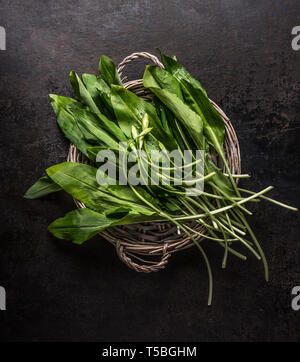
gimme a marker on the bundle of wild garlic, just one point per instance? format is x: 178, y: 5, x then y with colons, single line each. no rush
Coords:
x: 113, y: 128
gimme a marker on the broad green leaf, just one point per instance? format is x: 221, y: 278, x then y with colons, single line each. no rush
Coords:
x: 89, y: 126
x: 80, y: 181
x: 196, y: 97
x: 179, y: 72
x: 93, y: 152
x: 131, y: 217
x: 44, y: 186
x: 75, y: 84
x: 155, y: 79
x: 162, y: 112
x: 130, y: 111
x: 108, y: 71
x: 67, y: 122
x: 165, y: 80
x: 126, y: 193
x: 91, y: 82
x: 88, y: 92
x: 168, y: 122
x: 82, y: 93
x: 79, y: 225
x: 100, y: 93
x: 105, y: 92
x: 82, y: 224
x: 213, y: 124
x: 87, y: 99
x: 220, y: 179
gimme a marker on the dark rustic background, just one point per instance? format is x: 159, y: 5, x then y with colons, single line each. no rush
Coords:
x: 241, y: 51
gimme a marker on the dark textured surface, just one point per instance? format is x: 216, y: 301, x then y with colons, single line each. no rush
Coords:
x: 241, y: 51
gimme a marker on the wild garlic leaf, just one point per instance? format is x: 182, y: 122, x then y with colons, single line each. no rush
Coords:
x: 156, y: 79
x: 91, y: 82
x: 79, y: 225
x: 162, y: 113
x: 168, y: 122
x: 42, y: 187
x: 89, y: 126
x: 79, y: 180
x: 67, y: 122
x: 220, y: 179
x: 87, y: 99
x: 108, y: 71
x: 105, y: 93
x: 82, y: 224
x: 172, y: 65
x: 196, y: 97
x: 82, y: 93
x: 94, y: 150
x: 130, y: 111
x: 132, y: 217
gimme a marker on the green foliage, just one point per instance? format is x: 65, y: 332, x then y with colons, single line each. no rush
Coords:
x: 182, y: 118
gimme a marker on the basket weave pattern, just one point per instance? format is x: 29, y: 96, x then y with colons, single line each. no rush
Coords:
x: 147, y: 247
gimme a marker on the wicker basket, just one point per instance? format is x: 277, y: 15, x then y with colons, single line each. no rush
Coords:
x: 147, y: 247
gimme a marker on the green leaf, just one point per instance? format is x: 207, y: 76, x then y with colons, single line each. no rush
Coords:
x: 108, y: 71
x: 179, y: 72
x: 130, y: 111
x: 93, y: 152
x: 168, y: 122
x: 90, y: 92
x: 67, y: 122
x: 105, y: 95
x: 82, y: 224
x: 220, y: 179
x: 79, y: 225
x: 214, y: 128
x: 105, y: 92
x: 44, y: 186
x: 75, y: 84
x: 82, y: 93
x: 131, y: 217
x: 156, y: 79
x: 80, y: 181
x: 87, y: 99
x: 93, y: 83
x: 89, y: 126
x: 163, y: 113
x: 196, y: 97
